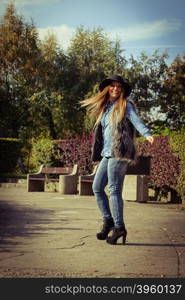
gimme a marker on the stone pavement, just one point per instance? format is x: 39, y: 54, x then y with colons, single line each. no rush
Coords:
x: 51, y: 235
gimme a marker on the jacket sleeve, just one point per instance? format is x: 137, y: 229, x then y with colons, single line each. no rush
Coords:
x: 132, y: 115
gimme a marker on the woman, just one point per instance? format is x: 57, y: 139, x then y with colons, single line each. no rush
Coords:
x: 113, y: 146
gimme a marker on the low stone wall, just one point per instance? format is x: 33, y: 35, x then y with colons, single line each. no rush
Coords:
x: 12, y: 182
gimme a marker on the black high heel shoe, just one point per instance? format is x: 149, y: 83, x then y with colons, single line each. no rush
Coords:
x: 106, y: 228
x: 116, y: 234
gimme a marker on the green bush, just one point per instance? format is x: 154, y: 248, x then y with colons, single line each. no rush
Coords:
x: 26, y: 157
x: 44, y: 152
x: 177, y: 144
x: 10, y: 151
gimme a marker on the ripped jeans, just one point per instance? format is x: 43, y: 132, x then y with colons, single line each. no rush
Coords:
x: 110, y: 171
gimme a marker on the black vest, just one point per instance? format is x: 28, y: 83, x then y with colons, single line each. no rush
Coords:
x: 122, y: 141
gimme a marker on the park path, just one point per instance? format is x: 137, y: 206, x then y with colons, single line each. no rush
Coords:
x: 52, y: 235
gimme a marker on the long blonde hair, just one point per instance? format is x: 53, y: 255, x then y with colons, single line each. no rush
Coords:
x: 97, y: 105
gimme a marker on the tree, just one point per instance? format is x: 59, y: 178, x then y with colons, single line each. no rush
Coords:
x: 19, y: 70
x: 93, y: 56
x: 173, y: 97
x: 30, y: 98
x: 41, y: 85
x: 146, y: 75
x: 96, y: 56
x: 58, y: 81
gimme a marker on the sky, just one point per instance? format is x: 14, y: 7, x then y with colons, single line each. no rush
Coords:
x: 140, y: 25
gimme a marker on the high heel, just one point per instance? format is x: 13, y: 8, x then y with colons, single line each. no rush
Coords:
x: 116, y: 234
x: 107, y: 226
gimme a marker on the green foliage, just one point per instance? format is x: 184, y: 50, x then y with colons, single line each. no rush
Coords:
x: 13, y: 175
x: 10, y: 151
x: 91, y: 57
x: 147, y: 74
x: 49, y: 47
x: 19, y: 61
x: 45, y: 113
x: 161, y: 129
x: 172, y: 98
x: 41, y: 85
x: 30, y: 101
x: 177, y: 143
x: 44, y: 152
x: 95, y: 54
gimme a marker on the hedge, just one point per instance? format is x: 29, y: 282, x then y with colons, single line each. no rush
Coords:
x: 164, y: 164
x: 167, y: 159
x: 177, y: 144
x: 10, y: 150
x: 76, y: 151
x: 44, y: 152
x: 167, y: 162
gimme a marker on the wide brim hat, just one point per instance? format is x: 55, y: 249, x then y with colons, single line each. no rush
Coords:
x: 125, y: 85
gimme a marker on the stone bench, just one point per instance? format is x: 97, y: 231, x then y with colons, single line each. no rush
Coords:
x: 85, y: 183
x: 135, y: 186
x: 135, y: 182
x: 67, y: 177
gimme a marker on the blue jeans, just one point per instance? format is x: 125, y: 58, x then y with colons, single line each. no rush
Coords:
x: 110, y: 171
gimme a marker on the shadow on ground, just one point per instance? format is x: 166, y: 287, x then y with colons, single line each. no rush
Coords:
x: 21, y: 221
x: 153, y: 245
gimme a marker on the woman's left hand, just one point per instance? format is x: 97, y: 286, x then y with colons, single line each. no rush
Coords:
x: 150, y: 139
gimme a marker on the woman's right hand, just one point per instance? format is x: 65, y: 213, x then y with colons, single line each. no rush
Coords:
x: 150, y: 139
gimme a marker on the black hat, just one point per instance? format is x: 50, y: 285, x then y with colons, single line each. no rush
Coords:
x: 126, y: 86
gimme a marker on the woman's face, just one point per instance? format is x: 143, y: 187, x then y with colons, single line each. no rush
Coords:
x: 115, y: 90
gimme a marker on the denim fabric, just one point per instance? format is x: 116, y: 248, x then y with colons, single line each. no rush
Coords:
x: 110, y: 171
x: 136, y: 121
x: 106, y: 131
x: 131, y: 115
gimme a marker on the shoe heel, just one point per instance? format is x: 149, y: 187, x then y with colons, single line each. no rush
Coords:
x: 117, y: 233
x: 124, y: 239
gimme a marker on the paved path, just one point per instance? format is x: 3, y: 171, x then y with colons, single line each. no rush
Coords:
x: 51, y: 235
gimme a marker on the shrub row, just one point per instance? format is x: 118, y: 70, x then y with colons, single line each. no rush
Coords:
x: 167, y: 159
x: 177, y: 144
x: 167, y: 152
x: 164, y: 164
x: 77, y: 151
x: 167, y: 163
x: 44, y: 151
x: 9, y: 154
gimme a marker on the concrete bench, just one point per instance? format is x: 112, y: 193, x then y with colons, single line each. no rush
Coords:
x: 67, y: 177
x: 135, y: 185
x: 85, y: 183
